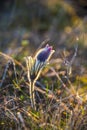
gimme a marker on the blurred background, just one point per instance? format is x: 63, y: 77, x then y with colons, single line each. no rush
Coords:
x: 25, y: 24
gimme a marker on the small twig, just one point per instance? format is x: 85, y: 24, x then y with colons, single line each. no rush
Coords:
x: 6, y: 70
x: 69, y: 63
x: 70, y: 84
x: 75, y: 54
x: 21, y: 120
x: 15, y: 73
x: 6, y: 109
x: 7, y: 86
x: 4, y: 75
x: 48, y: 124
x: 64, y: 86
x: 30, y: 114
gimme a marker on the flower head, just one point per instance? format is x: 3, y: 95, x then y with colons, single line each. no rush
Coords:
x: 36, y: 64
x: 41, y: 59
x: 44, y: 54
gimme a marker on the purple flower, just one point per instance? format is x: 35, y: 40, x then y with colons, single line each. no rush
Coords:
x: 41, y: 60
x: 36, y: 64
x: 45, y: 53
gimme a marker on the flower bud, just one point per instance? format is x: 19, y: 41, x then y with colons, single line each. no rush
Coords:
x: 44, y: 54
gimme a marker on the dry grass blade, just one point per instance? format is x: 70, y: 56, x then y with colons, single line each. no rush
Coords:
x: 64, y: 86
x: 10, y: 58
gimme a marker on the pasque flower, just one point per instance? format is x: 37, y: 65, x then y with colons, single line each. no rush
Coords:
x: 44, y: 54
x: 35, y: 66
x: 42, y: 59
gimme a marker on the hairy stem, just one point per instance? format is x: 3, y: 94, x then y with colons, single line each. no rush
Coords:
x: 32, y: 94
